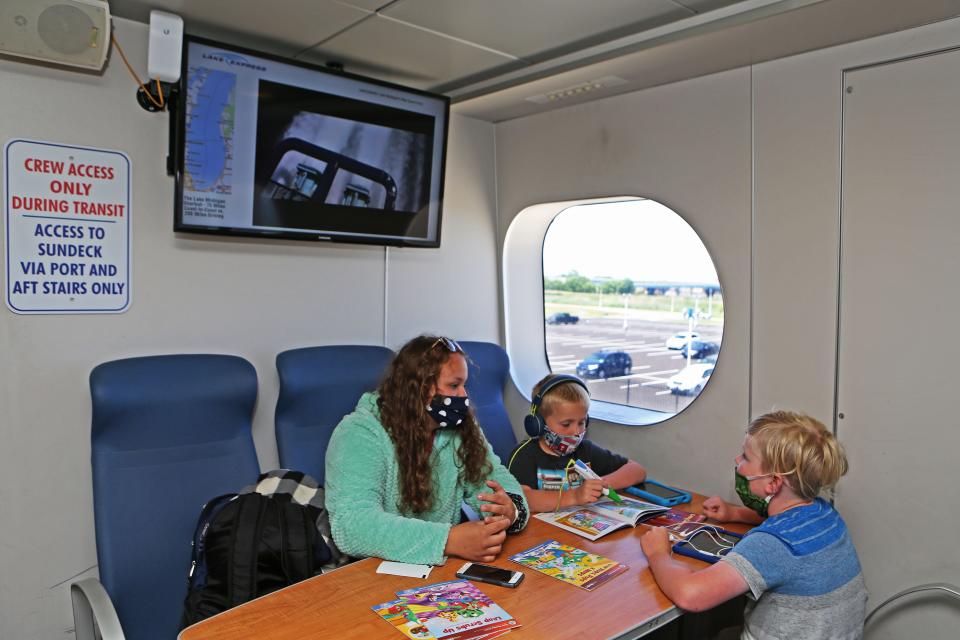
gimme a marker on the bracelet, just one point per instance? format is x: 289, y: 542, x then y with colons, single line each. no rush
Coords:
x: 521, y: 520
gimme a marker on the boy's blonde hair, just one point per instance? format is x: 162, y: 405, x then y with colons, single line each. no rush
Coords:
x: 563, y: 392
x: 800, y: 449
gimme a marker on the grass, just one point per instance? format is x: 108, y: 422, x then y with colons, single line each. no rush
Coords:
x: 657, y: 307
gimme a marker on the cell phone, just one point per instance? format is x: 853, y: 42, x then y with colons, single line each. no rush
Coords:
x: 491, y: 575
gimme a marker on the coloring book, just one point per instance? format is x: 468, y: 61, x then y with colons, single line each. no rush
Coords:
x: 452, y: 610
x: 575, y: 566
x: 679, y: 523
x: 596, y: 520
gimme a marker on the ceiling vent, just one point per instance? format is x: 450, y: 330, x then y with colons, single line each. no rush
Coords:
x: 70, y: 32
x: 577, y: 90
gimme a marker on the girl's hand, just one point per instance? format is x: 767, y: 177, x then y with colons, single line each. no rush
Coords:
x: 479, y: 541
x: 500, y: 504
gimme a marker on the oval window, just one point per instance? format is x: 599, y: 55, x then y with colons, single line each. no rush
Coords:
x: 632, y: 304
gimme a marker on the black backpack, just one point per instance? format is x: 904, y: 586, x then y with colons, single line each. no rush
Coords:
x: 247, y: 545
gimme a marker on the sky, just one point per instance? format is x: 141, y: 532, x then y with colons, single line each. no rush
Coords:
x: 638, y: 239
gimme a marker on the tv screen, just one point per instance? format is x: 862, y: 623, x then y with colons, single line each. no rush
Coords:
x: 277, y: 148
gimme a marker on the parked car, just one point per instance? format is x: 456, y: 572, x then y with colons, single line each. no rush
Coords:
x: 562, y: 318
x: 677, y: 341
x: 691, y: 380
x: 605, y: 364
x: 699, y: 349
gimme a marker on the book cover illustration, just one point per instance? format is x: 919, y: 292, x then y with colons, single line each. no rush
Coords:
x: 574, y: 566
x: 452, y: 610
x: 397, y: 613
x: 677, y: 522
x: 584, y: 522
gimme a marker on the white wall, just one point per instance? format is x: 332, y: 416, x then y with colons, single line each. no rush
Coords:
x: 453, y: 290
x: 751, y: 158
x: 193, y: 294
x: 894, y: 279
x: 686, y: 145
x: 797, y: 240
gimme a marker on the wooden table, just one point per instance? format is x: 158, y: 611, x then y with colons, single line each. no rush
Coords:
x: 338, y: 604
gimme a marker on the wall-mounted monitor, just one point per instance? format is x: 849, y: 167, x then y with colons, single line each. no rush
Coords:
x: 277, y: 148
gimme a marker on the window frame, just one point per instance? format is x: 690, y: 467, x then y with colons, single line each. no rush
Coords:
x: 524, y: 318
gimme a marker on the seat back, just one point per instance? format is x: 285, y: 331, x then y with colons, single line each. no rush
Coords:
x: 318, y: 386
x: 488, y: 369
x: 168, y: 433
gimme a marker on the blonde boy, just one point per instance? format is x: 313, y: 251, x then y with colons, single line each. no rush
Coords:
x: 557, y: 427
x: 799, y: 568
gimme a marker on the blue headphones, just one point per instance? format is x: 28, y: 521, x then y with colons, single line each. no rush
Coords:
x: 534, y: 423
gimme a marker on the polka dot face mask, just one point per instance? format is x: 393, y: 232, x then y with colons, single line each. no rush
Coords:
x: 449, y: 411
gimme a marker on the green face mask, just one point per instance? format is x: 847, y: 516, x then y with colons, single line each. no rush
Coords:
x: 749, y: 499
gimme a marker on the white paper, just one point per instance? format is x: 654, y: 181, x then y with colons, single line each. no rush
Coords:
x: 404, y: 569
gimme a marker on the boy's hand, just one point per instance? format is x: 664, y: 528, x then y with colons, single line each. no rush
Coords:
x: 500, y: 503
x: 655, y: 542
x: 715, y: 508
x: 589, y: 491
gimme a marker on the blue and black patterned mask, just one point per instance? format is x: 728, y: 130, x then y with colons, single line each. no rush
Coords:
x: 449, y: 411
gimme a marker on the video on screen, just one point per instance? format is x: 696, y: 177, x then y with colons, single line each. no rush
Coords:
x: 314, y: 163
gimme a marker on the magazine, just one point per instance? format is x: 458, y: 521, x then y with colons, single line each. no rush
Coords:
x: 679, y: 523
x: 575, y: 566
x: 596, y: 520
x: 452, y: 610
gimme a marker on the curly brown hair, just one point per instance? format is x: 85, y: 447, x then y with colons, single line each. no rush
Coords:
x: 404, y: 396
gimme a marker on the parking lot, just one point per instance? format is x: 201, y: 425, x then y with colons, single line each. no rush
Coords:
x: 644, y: 340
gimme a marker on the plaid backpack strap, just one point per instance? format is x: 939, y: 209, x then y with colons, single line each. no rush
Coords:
x: 286, y: 485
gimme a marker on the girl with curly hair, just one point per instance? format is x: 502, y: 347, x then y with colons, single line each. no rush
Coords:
x: 399, y: 467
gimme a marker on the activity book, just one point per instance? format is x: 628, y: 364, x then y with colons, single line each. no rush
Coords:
x: 600, y: 518
x: 575, y: 566
x: 679, y: 523
x: 452, y: 610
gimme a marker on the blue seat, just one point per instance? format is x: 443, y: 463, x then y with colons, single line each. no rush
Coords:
x: 318, y: 386
x: 168, y: 433
x: 488, y: 369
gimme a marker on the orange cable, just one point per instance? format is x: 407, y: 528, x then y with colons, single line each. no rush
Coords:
x: 150, y: 97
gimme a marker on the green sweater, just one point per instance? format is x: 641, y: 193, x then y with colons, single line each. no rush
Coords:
x: 363, y: 491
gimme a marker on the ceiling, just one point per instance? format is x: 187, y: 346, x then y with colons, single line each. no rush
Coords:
x: 502, y: 59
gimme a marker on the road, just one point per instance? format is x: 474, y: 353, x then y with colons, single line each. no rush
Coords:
x: 653, y: 363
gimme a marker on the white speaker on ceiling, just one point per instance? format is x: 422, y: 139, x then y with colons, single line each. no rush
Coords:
x: 71, y: 32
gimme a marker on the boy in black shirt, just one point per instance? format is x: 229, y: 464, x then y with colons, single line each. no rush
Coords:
x: 557, y: 425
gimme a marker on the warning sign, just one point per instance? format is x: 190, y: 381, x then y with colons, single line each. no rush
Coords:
x: 67, y: 231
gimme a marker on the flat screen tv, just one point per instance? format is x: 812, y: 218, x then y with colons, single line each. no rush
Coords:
x: 277, y: 148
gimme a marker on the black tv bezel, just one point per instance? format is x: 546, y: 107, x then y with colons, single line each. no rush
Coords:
x: 178, y: 135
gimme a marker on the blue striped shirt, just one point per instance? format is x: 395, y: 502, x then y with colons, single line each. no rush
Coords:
x: 804, y: 574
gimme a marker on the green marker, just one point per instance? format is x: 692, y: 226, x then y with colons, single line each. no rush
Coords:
x: 613, y: 495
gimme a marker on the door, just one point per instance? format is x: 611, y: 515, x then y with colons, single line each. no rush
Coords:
x: 899, y: 304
